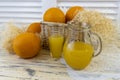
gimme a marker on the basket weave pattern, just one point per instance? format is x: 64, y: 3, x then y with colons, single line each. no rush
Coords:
x: 45, y: 33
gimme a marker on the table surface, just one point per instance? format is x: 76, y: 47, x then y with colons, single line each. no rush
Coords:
x: 41, y: 67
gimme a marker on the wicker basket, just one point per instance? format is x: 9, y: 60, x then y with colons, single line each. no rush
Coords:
x: 44, y: 32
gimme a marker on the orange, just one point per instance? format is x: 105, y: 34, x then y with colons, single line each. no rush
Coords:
x: 72, y: 11
x: 26, y: 45
x: 54, y: 15
x: 34, y: 27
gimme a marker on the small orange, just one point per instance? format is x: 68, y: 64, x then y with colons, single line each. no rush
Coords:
x: 26, y: 45
x: 54, y: 15
x: 34, y: 27
x: 72, y: 11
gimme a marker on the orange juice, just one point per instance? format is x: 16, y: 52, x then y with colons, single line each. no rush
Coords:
x: 56, y: 45
x: 78, y: 54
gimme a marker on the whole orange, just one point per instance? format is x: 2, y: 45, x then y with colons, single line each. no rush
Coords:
x: 34, y: 27
x: 26, y: 45
x: 72, y: 11
x: 54, y: 15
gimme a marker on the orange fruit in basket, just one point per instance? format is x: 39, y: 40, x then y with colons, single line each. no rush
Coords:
x: 72, y: 11
x: 26, y: 45
x: 54, y: 15
x: 34, y: 27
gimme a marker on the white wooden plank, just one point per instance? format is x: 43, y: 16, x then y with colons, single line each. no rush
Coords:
x: 20, y: 0
x: 90, y: 0
x: 21, y: 4
x: 102, y: 10
x: 35, y: 15
x: 20, y: 20
x: 88, y: 4
x: 20, y: 9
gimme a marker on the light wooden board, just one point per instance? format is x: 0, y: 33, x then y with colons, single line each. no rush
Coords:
x: 41, y: 67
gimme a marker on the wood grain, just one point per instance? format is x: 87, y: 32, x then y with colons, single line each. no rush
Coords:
x: 41, y: 67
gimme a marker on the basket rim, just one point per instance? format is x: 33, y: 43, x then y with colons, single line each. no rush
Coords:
x: 53, y: 24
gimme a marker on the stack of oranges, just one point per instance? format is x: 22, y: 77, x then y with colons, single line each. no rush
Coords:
x: 27, y: 44
x: 57, y: 15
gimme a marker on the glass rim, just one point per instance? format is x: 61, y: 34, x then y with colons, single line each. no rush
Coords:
x: 57, y: 24
x: 80, y: 26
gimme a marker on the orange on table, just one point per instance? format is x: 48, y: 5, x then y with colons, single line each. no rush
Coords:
x: 54, y: 15
x: 34, y: 27
x: 26, y: 45
x: 72, y: 11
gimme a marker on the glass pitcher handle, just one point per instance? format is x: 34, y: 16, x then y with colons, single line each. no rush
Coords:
x: 97, y: 43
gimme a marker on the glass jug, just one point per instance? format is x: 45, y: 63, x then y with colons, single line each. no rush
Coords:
x: 81, y: 45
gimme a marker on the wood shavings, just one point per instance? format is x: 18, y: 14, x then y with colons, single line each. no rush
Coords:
x: 100, y: 24
x: 7, y: 36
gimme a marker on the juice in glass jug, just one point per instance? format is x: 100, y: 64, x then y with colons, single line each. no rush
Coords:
x: 79, y: 49
x: 78, y: 52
